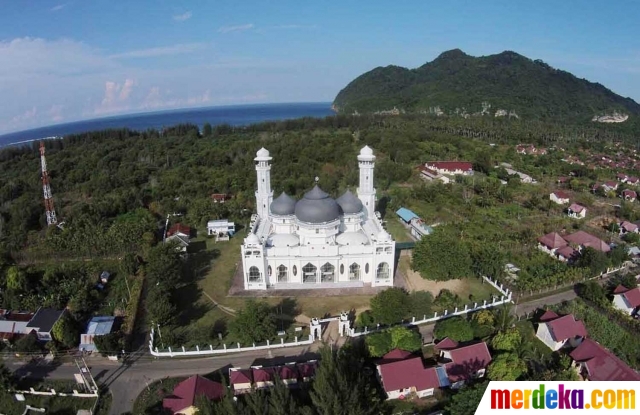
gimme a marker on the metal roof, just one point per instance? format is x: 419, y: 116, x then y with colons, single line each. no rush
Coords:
x: 100, y: 325
x: 406, y: 214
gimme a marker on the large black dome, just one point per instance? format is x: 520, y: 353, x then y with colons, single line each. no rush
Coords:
x: 349, y: 203
x: 283, y: 205
x: 317, y: 207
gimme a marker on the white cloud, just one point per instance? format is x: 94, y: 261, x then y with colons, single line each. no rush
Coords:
x: 116, y: 97
x: 182, y: 17
x: 58, y: 7
x: 296, y: 26
x: 55, y: 112
x: 239, y: 28
x: 160, y: 51
x: 156, y: 99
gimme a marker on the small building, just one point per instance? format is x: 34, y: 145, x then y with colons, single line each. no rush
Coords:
x: 222, y: 229
x: 104, y: 277
x: 431, y: 175
x: 419, y: 228
x: 219, y: 197
x: 241, y: 380
x: 402, y: 374
x: 629, y: 195
x: 263, y: 377
x: 181, y: 241
x: 551, y: 242
x: 288, y: 374
x: 558, y: 332
x: 524, y: 178
x: 577, y: 211
x: 98, y: 326
x: 610, y: 185
x: 179, y: 229
x: 451, y: 167
x: 463, y: 362
x: 184, y: 397
x: 628, y: 227
x: 559, y: 197
x: 595, y: 363
x: 567, y: 254
x: 406, y: 215
x: 13, y: 325
x: 626, y: 299
x: 307, y: 370
x: 634, y: 181
x: 622, y: 178
x: 43, y: 322
x: 583, y: 240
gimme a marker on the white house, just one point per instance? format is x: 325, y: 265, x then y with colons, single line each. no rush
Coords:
x: 222, y: 229
x: 559, y: 197
x: 317, y: 241
x: 627, y: 227
x: 431, y: 175
x: 451, y: 167
x: 557, y: 332
x: 551, y: 242
x: 629, y: 195
x: 626, y: 300
x: 577, y: 211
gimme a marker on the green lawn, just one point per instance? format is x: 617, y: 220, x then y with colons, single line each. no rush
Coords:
x: 397, y: 230
x: 526, y: 329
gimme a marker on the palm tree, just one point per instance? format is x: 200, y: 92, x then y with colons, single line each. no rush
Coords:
x: 504, y: 318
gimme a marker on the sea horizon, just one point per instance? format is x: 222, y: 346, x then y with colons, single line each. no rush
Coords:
x: 238, y: 114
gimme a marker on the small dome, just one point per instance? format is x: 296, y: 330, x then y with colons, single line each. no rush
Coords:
x: 252, y: 239
x: 317, y: 207
x: 263, y: 152
x: 384, y: 236
x: 366, y: 151
x: 280, y: 240
x: 352, y: 238
x: 283, y: 205
x: 349, y: 203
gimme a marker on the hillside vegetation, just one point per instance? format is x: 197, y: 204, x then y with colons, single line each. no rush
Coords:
x: 458, y: 84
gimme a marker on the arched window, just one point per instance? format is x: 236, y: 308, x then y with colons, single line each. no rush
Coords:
x: 366, y: 268
x: 254, y: 275
x: 282, y: 273
x: 309, y: 273
x: 354, y: 272
x: 383, y: 271
x: 269, y: 270
x: 328, y: 273
x: 341, y: 269
x: 295, y: 270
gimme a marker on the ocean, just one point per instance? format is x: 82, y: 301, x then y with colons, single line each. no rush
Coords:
x: 233, y: 115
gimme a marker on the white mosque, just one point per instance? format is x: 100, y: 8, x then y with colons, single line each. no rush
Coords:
x: 317, y: 241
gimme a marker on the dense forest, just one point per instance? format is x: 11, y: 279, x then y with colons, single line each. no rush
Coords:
x: 464, y: 85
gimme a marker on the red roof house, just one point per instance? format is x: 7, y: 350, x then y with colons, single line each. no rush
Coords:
x: 586, y: 240
x: 629, y: 195
x: 446, y: 344
x: 307, y: 370
x: 551, y: 242
x: 185, y: 393
x: 561, y: 331
x: 627, y: 300
x: 633, y: 180
x: 566, y: 254
x: 287, y: 374
x: 597, y: 363
x: 466, y: 362
x: 219, y: 197
x: 408, y: 376
x: 626, y: 227
x: 263, y: 376
x: 559, y: 197
x: 450, y: 167
x: 577, y: 211
x: 179, y: 229
x: 240, y: 380
x: 548, y: 315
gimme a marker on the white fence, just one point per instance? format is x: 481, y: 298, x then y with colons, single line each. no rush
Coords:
x: 211, y: 351
x: 183, y: 352
x: 52, y: 392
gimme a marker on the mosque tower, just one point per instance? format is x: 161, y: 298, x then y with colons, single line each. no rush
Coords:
x: 366, y: 191
x: 264, y: 194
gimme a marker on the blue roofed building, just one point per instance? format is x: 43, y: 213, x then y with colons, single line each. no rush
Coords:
x: 98, y: 326
x: 406, y: 215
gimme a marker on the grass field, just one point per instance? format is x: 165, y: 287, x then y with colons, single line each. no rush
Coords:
x: 397, y: 229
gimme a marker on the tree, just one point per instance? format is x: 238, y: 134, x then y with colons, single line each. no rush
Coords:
x: 507, y: 340
x: 487, y: 260
x: 109, y: 344
x: 504, y: 318
x: 466, y: 400
x: 592, y: 291
x: 456, y: 328
x: 66, y: 331
x: 16, y: 279
x: 164, y: 267
x: 207, y: 130
x: 281, y: 401
x: 446, y: 299
x: 254, y: 323
x: 595, y: 261
x: 420, y: 303
x: 28, y: 344
x: 340, y: 386
x: 6, y: 379
x: 484, y: 317
x: 506, y: 366
x: 160, y: 309
x: 618, y: 255
x: 400, y: 337
x: 442, y: 256
x: 390, y: 306
x: 626, y: 280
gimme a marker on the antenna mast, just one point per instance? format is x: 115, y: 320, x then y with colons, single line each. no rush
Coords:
x: 46, y: 189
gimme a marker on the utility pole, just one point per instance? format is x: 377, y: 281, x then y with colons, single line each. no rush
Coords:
x: 46, y: 189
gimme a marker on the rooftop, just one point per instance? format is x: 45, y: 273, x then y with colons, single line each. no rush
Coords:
x: 100, y: 325
x: 44, y: 319
x: 408, y: 373
x: 552, y: 240
x: 566, y: 327
x: 588, y: 241
x: 406, y: 215
x: 185, y: 393
x: 601, y: 364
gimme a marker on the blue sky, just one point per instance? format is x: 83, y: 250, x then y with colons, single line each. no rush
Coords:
x: 68, y: 60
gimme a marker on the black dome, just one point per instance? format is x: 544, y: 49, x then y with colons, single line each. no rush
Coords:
x: 317, y: 207
x: 349, y: 203
x: 283, y: 205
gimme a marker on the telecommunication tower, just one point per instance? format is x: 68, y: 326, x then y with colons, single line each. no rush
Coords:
x: 46, y: 188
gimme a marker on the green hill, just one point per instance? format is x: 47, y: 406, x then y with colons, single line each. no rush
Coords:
x: 456, y: 83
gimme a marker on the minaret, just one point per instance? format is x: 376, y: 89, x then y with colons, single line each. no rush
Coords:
x: 46, y: 188
x: 366, y: 191
x: 264, y: 194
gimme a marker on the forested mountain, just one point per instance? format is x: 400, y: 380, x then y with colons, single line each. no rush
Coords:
x: 458, y: 84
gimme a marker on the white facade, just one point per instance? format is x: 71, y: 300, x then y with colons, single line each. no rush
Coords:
x: 558, y: 199
x: 220, y: 226
x: 621, y: 304
x: 317, y: 242
x: 544, y: 334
